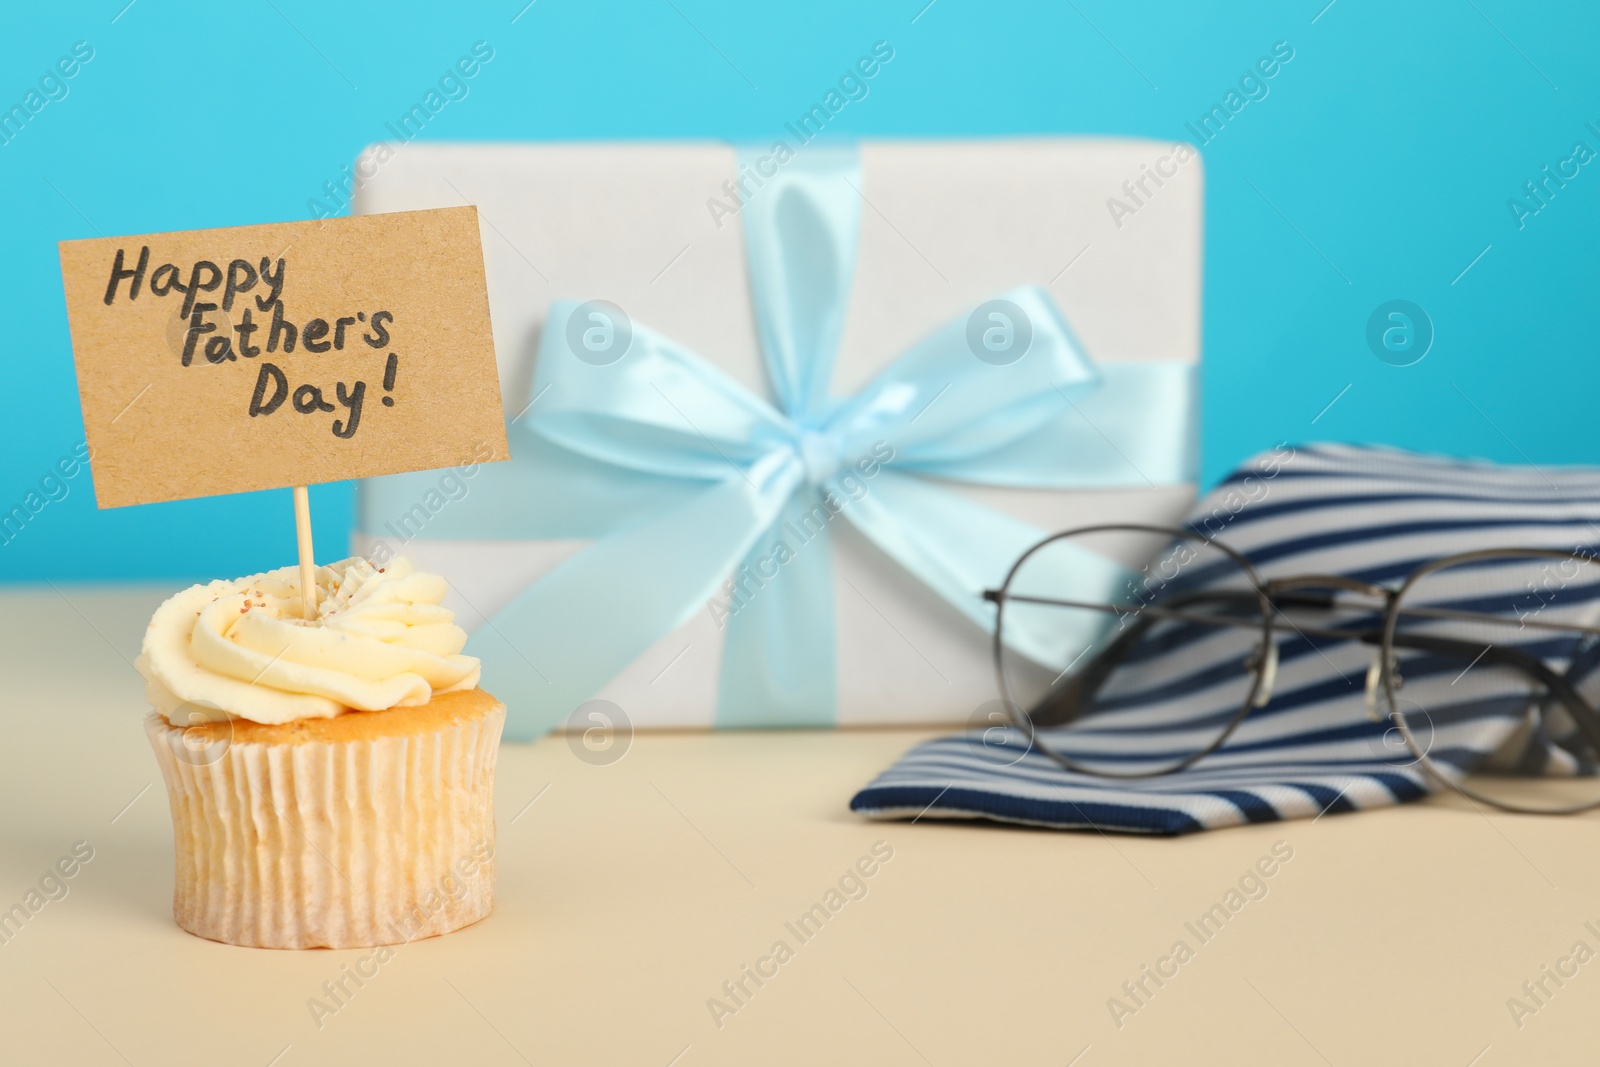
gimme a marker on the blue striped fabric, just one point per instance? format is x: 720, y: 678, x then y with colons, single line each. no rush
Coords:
x: 1372, y: 514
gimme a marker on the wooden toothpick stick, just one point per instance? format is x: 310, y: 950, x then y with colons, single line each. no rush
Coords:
x: 308, y: 563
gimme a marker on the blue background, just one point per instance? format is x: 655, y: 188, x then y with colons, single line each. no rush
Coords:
x: 1379, y: 166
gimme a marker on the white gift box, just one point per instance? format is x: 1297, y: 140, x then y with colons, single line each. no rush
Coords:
x: 1111, y: 227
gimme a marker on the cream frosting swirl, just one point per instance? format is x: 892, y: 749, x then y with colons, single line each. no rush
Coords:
x: 381, y: 639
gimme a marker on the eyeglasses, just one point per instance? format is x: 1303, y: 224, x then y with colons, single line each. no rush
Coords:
x: 1135, y: 651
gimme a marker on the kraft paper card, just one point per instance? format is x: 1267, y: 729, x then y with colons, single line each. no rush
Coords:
x: 258, y: 357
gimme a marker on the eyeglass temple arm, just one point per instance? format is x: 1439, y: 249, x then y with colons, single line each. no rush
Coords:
x: 1323, y: 601
x: 1064, y: 705
x: 1584, y: 716
x: 1582, y: 711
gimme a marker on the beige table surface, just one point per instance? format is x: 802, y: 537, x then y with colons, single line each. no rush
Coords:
x: 630, y: 892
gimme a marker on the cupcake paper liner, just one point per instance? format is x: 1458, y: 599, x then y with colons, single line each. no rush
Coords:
x: 344, y: 844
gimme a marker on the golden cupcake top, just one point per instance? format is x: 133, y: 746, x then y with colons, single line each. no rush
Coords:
x: 381, y: 639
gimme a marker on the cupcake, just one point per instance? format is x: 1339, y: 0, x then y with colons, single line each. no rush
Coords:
x: 331, y: 779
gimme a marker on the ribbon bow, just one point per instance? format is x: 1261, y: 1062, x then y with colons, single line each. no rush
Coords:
x: 704, y: 496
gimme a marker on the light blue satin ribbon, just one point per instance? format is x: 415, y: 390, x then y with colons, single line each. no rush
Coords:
x: 684, y: 478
